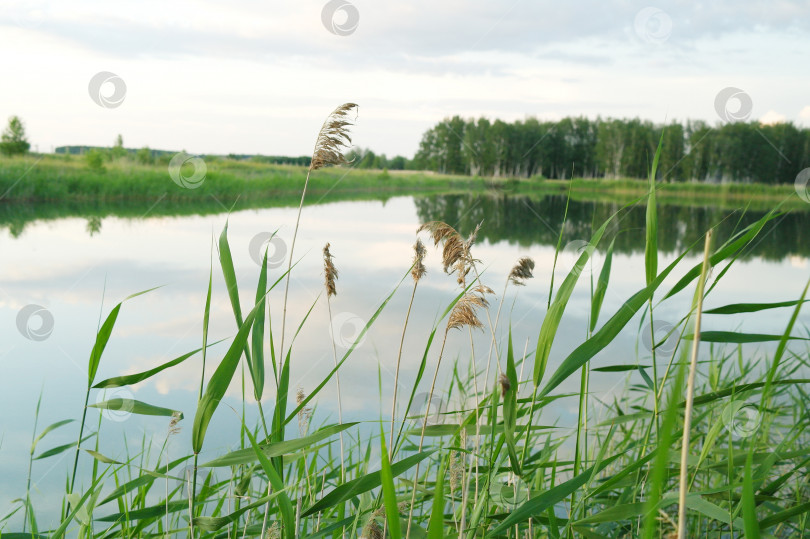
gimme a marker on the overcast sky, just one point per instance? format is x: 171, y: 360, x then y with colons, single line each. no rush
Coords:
x: 259, y: 77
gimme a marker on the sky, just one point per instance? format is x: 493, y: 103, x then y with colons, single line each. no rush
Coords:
x: 250, y: 77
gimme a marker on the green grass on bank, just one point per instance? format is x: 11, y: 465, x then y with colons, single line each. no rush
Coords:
x: 60, y: 179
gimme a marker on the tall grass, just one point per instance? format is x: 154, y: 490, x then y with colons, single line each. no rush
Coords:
x: 494, y: 464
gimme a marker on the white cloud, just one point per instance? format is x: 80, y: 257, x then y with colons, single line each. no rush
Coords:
x: 804, y: 116
x: 772, y: 117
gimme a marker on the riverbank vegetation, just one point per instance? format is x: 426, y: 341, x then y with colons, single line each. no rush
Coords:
x: 701, y: 441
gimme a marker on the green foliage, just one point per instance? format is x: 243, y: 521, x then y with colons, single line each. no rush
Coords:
x: 95, y: 160
x: 615, y: 148
x: 14, y: 141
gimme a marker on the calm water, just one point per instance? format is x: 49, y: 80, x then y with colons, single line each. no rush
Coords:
x: 75, y: 268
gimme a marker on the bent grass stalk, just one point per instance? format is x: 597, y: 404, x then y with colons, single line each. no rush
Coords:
x: 683, y: 487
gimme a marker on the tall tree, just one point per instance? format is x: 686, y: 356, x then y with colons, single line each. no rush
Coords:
x: 14, y: 140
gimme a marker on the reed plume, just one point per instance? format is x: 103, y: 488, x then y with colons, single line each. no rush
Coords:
x: 418, y: 271
x: 522, y: 271
x: 330, y: 272
x: 330, y: 275
x: 332, y: 139
x: 463, y: 314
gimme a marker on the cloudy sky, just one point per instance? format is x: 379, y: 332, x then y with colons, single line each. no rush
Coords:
x: 259, y: 77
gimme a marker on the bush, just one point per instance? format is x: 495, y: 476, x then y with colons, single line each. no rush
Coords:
x: 95, y: 160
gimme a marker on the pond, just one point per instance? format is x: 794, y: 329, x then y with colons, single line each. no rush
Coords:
x: 73, y: 270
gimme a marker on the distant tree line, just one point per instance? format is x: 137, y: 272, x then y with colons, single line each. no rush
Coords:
x: 614, y: 148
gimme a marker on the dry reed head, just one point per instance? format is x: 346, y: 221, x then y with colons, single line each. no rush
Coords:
x: 372, y: 530
x: 173, y: 427
x: 455, y: 252
x: 522, y: 271
x: 332, y: 138
x: 304, y: 414
x: 456, y: 470
x: 418, y: 270
x: 274, y: 532
x: 505, y: 384
x: 463, y: 314
x: 330, y: 272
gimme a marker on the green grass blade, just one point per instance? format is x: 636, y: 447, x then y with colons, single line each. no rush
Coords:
x: 48, y: 429
x: 219, y: 383
x: 651, y: 246
x: 601, y: 286
x: 277, y: 449
x: 749, y: 507
x: 551, y: 321
x: 389, y: 494
x: 607, y: 332
x: 537, y: 505
x: 362, y: 484
x: 436, y: 522
x: 134, y: 407
x: 285, y: 505
x: 257, y: 356
x: 510, y: 407
x: 131, y: 379
x: 103, y: 336
x: 738, y: 308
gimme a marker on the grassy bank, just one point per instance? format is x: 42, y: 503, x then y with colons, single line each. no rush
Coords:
x: 721, y: 442
x: 63, y: 179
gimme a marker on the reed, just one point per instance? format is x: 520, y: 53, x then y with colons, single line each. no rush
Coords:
x: 743, y: 426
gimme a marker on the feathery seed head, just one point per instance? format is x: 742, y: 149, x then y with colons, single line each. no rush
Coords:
x: 522, y: 271
x: 332, y: 138
x: 330, y: 272
x: 173, y: 427
x: 506, y: 385
x: 419, y: 269
x: 463, y: 314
